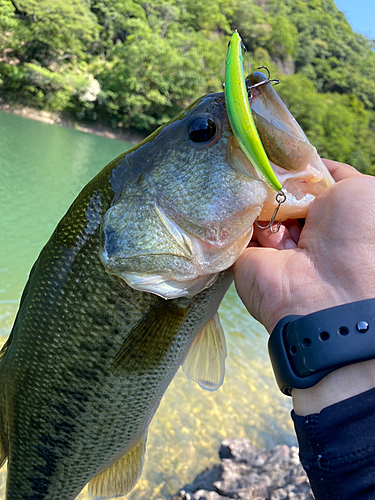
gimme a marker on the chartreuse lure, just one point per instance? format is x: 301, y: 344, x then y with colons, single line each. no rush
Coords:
x: 239, y: 113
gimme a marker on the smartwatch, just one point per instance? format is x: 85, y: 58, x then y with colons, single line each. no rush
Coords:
x: 304, y: 349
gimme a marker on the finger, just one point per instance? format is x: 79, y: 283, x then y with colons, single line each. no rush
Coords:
x: 253, y: 244
x: 282, y: 240
x: 341, y: 171
x: 248, y: 272
x: 294, y: 228
x: 254, y: 237
x: 259, y: 280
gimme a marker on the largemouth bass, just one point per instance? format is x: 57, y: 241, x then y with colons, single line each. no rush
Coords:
x: 126, y: 290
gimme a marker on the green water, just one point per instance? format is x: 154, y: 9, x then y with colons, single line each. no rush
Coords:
x: 42, y: 169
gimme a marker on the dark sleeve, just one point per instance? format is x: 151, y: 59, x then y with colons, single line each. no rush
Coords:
x: 337, y: 449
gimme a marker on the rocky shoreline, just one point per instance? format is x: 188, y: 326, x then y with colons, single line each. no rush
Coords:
x: 58, y: 119
x: 248, y: 473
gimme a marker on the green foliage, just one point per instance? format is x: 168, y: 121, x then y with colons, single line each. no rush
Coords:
x: 337, y: 125
x: 135, y: 64
x: 53, y: 31
x: 138, y: 93
x: 59, y: 87
x: 163, y: 64
x: 8, y: 23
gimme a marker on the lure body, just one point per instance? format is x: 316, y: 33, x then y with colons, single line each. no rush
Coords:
x: 239, y: 113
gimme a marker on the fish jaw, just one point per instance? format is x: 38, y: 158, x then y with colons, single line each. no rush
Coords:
x: 300, y: 189
x: 181, y: 253
x: 294, y: 160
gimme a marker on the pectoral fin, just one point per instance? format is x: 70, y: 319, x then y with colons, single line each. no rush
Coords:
x: 149, y: 341
x: 122, y: 475
x: 6, y: 345
x: 4, y: 447
x: 205, y: 361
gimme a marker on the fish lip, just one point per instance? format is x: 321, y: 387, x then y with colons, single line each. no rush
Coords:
x: 300, y: 191
x: 293, y: 159
x: 168, y: 287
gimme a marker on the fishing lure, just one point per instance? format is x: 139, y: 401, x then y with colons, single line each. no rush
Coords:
x: 239, y: 113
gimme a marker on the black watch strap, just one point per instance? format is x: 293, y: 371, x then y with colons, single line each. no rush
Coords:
x: 304, y: 349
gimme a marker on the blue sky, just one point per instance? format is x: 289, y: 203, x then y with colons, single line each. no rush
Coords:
x: 360, y: 14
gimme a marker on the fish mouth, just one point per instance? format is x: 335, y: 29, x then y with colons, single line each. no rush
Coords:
x: 293, y: 159
x: 300, y: 190
x: 300, y: 187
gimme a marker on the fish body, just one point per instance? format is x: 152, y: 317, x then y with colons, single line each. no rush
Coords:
x: 124, y: 292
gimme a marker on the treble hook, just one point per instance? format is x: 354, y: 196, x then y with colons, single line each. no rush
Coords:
x: 263, y: 82
x: 280, y: 198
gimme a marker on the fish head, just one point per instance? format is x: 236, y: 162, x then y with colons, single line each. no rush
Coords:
x: 186, y: 199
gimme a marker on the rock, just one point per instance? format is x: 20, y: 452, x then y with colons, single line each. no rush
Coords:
x: 248, y: 473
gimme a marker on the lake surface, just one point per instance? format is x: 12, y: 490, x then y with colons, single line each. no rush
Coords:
x: 42, y: 169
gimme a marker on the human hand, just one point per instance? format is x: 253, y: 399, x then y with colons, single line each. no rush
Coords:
x: 327, y: 263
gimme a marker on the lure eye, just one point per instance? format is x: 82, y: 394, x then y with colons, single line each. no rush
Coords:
x: 202, y: 129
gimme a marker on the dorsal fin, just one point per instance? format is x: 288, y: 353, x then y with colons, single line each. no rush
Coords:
x: 120, y: 477
x: 205, y: 361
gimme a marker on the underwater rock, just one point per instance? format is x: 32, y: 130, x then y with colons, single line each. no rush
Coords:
x: 248, y: 473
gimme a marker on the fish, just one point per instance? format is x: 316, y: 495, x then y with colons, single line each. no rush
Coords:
x: 127, y: 290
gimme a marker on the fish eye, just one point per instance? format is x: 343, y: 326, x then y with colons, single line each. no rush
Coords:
x: 201, y: 129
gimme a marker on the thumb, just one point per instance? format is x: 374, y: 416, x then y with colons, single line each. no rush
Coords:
x: 341, y: 171
x: 258, y: 276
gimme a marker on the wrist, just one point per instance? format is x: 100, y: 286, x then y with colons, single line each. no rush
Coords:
x: 325, y: 357
x: 337, y: 386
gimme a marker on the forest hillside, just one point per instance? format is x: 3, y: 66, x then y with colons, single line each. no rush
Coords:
x: 134, y: 64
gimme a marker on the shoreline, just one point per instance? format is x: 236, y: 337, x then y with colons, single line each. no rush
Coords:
x: 247, y: 472
x: 53, y: 118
